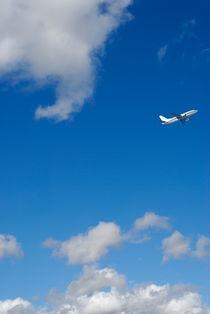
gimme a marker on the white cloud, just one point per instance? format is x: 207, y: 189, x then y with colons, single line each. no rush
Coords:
x: 104, y: 291
x: 94, y: 279
x: 202, y: 249
x: 9, y: 247
x: 162, y: 52
x: 120, y: 298
x: 95, y: 243
x: 89, y: 247
x: 16, y: 306
x: 178, y: 245
x: 175, y: 246
x: 57, y: 41
x: 143, y: 226
x: 151, y: 220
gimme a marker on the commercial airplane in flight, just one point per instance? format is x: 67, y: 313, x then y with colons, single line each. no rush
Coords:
x: 183, y: 117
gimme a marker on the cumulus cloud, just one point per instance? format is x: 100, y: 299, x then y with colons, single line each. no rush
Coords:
x: 89, y: 247
x: 151, y: 220
x: 94, y: 279
x: 148, y: 299
x: 16, y: 306
x: 202, y: 249
x: 59, y: 42
x: 175, y: 246
x: 178, y: 245
x: 9, y: 247
x: 103, y: 291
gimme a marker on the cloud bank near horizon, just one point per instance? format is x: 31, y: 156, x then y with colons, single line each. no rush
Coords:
x: 103, y: 291
x: 57, y: 42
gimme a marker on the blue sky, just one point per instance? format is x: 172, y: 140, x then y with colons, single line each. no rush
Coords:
x: 114, y: 161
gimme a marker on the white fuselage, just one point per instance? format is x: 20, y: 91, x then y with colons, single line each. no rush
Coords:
x: 183, y: 117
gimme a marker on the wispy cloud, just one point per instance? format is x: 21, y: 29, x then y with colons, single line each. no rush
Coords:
x: 59, y: 42
x: 187, y: 33
x: 188, y: 29
x: 162, y: 52
x: 205, y: 55
x: 143, y: 227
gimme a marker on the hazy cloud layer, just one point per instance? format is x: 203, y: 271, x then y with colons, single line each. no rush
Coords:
x: 89, y: 247
x: 103, y: 291
x: 57, y: 41
x: 9, y: 247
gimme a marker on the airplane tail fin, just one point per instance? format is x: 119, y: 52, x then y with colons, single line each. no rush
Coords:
x: 163, y: 119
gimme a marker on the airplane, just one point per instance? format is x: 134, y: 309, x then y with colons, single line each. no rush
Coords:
x: 183, y: 117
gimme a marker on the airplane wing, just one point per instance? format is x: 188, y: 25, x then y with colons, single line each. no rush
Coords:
x: 177, y: 115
